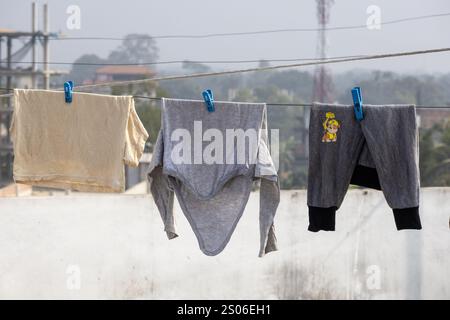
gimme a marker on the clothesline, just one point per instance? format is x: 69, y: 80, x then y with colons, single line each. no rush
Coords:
x: 295, y: 104
x: 268, y: 104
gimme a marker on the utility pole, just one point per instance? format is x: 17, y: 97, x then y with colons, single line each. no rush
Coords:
x: 34, y: 27
x: 8, y: 79
x: 46, y: 48
x: 1, y: 82
x: 7, y: 150
x: 322, y: 77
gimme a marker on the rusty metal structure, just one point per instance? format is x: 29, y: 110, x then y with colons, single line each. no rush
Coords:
x: 13, y: 75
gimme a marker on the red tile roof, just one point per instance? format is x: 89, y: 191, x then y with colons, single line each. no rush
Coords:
x: 140, y: 70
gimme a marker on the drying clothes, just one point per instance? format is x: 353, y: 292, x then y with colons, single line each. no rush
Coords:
x: 380, y: 152
x: 81, y: 145
x: 203, y: 158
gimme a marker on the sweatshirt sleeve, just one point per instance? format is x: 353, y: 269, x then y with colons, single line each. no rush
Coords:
x: 160, y: 188
x: 269, y: 193
x: 268, y: 203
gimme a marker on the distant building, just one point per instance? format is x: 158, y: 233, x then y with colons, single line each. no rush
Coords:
x: 122, y: 73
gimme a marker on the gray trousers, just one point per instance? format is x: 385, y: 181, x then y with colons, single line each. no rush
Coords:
x: 380, y: 152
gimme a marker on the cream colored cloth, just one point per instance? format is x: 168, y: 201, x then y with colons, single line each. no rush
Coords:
x: 81, y: 145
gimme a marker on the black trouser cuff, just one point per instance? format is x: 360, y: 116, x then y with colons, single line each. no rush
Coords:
x: 322, y: 218
x: 407, y: 218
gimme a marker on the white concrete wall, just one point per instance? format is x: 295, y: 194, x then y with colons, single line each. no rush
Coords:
x: 118, y: 245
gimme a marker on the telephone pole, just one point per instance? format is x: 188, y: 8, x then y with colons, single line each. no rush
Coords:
x: 46, y: 48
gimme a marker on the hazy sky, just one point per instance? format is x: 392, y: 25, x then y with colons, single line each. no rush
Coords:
x: 165, y: 17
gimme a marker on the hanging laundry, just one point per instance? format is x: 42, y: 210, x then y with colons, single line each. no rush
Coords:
x: 82, y: 145
x: 379, y: 152
x: 197, y: 159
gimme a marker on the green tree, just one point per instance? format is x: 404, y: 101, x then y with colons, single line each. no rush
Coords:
x: 435, y: 155
x: 263, y: 63
x: 245, y: 94
x: 135, y: 48
x: 293, y: 172
x: 80, y: 73
x: 195, y: 67
x: 150, y: 114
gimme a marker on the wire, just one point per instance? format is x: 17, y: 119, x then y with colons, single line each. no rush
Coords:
x: 187, y: 61
x: 268, y: 104
x: 220, y: 73
x: 296, y: 104
x: 212, y: 35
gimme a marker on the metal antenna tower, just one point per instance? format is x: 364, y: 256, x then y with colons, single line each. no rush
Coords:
x: 322, y: 78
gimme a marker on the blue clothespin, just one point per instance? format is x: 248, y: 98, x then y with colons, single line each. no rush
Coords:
x: 357, y: 103
x: 209, y: 100
x: 68, y: 90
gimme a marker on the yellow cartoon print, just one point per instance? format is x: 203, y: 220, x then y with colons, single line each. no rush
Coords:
x: 330, y: 126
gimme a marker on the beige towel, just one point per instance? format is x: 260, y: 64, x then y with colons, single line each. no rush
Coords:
x: 81, y: 145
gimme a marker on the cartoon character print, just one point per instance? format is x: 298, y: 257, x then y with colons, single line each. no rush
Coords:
x: 330, y: 126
